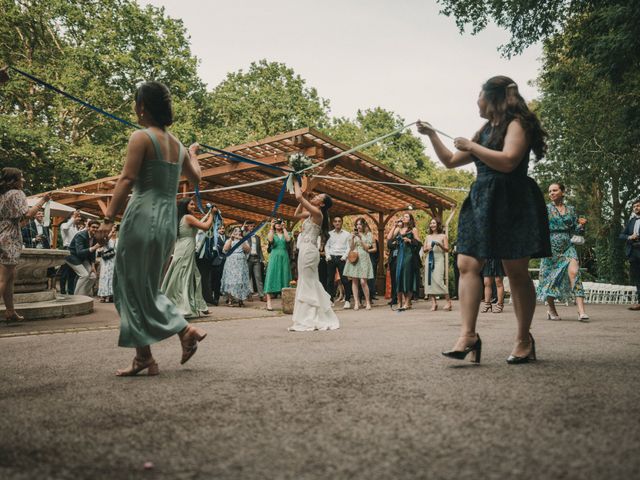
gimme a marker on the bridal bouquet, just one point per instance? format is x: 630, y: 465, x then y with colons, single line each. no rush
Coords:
x: 299, y: 161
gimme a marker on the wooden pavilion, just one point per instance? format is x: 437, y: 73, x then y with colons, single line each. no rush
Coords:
x: 380, y: 202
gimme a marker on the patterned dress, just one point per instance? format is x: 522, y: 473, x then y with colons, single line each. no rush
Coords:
x: 278, y: 269
x: 13, y: 207
x: 182, y: 283
x: 235, y: 276
x: 554, y: 271
x: 105, y: 285
x: 504, y: 216
x: 363, y: 268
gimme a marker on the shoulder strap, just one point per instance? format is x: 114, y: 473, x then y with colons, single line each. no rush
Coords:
x: 156, y: 144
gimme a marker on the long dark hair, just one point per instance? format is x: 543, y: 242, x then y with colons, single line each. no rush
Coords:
x: 412, y: 221
x: 183, y: 209
x: 10, y: 179
x: 324, y: 228
x: 505, y: 104
x: 156, y: 98
x: 439, y: 228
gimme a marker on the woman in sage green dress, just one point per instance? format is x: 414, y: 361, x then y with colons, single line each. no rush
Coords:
x: 279, y: 268
x: 155, y: 160
x: 436, y: 246
x: 182, y: 283
x: 362, y: 270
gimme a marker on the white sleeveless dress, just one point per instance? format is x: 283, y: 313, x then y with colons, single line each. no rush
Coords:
x: 312, y: 308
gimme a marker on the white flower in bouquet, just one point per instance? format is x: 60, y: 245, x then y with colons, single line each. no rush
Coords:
x: 299, y: 161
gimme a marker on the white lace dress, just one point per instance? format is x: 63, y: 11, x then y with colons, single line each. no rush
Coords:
x: 312, y: 308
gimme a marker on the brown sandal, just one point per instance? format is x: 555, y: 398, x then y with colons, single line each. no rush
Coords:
x: 138, y: 365
x: 486, y: 307
x: 498, y: 307
x: 189, y: 339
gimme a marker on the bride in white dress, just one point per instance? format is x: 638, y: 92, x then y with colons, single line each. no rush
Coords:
x: 312, y: 308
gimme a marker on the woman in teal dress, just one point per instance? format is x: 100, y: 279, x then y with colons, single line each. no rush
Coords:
x: 560, y: 274
x: 155, y: 160
x: 278, y: 269
x: 408, y: 263
x: 362, y: 270
x: 182, y: 283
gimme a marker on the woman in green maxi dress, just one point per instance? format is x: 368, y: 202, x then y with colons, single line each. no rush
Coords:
x: 155, y: 160
x: 182, y: 283
x: 278, y: 269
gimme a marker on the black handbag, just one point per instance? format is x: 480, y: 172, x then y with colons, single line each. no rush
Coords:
x: 108, y: 254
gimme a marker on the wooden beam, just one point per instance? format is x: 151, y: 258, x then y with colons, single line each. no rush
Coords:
x: 236, y: 167
x: 80, y: 198
x: 103, y: 207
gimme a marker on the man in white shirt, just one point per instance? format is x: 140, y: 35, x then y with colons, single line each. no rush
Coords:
x: 336, y: 251
x: 68, y: 230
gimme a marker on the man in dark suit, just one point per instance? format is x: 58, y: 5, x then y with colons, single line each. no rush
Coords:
x: 255, y: 260
x: 217, y: 265
x: 631, y: 236
x: 82, y: 258
x: 35, y: 234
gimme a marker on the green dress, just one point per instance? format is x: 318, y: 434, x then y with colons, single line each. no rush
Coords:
x: 406, y: 267
x: 147, y: 235
x: 278, y: 268
x: 182, y: 283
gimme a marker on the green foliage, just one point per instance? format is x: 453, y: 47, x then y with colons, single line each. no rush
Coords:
x: 99, y: 51
x: 267, y: 99
x: 403, y: 152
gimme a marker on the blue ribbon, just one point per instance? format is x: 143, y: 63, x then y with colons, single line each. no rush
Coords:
x: 401, y: 245
x: 220, y: 152
x: 283, y: 189
x: 431, y: 263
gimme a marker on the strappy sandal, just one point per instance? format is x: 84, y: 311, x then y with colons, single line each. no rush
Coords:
x: 498, y: 307
x: 14, y: 317
x: 486, y: 307
x: 189, y: 341
x: 138, y: 365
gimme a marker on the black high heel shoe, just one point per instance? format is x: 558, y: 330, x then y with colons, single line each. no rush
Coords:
x: 531, y: 357
x: 476, y: 348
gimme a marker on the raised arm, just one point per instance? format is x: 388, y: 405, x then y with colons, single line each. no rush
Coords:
x: 204, y: 224
x: 191, y: 166
x: 448, y: 158
x: 313, y: 211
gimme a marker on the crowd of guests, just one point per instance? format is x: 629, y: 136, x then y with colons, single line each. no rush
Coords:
x: 207, y: 266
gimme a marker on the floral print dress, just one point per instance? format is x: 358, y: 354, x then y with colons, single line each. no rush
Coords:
x: 13, y: 207
x: 554, y: 271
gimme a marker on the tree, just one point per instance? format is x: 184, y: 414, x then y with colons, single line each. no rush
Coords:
x: 267, y: 99
x: 99, y: 51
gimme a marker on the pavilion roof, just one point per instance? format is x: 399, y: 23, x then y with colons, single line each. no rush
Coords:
x: 256, y: 202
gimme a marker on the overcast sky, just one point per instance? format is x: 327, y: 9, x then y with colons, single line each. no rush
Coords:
x: 401, y: 55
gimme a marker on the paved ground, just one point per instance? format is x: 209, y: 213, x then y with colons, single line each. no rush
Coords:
x: 372, y: 400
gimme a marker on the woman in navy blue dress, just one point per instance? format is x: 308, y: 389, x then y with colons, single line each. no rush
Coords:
x: 505, y: 216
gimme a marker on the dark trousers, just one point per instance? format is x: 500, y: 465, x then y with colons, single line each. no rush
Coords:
x: 68, y: 279
x: 216, y: 281
x: 634, y: 270
x: 336, y: 263
x: 205, y: 269
x: 372, y: 281
x: 255, y: 274
x: 393, y: 265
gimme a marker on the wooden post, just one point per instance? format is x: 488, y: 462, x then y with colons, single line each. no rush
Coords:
x: 381, y: 276
x: 54, y: 231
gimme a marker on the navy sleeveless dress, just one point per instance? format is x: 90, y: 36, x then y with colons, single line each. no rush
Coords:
x: 505, y: 215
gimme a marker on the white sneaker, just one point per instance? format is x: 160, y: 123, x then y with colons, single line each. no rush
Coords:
x: 347, y: 305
